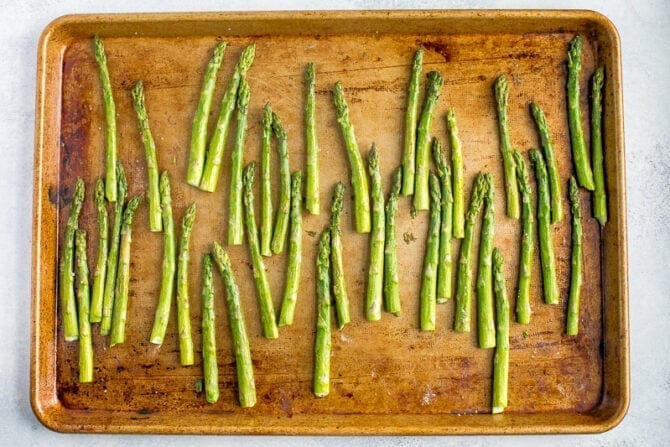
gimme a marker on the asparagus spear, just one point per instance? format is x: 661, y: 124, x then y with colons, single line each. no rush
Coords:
x: 83, y: 303
x: 464, y: 275
x: 501, y: 88
x: 599, y: 196
x: 113, y: 258
x: 575, y: 260
x: 446, y: 206
x: 485, y: 320
x: 294, y: 253
x: 68, y: 303
x: 391, y: 281
x: 359, y: 178
x: 210, y: 367
x: 103, y: 247
x: 322, y: 345
x: 260, y: 275
x: 267, y: 214
x: 245, y: 370
x: 433, y: 86
x: 552, y: 167
x: 110, y: 120
x: 118, y: 333
x: 214, y: 158
x: 374, y: 296
x: 527, y: 241
x: 501, y: 355
x: 235, y: 224
x: 168, y: 271
x: 580, y: 155
x: 544, y: 229
x: 153, y: 193
x: 196, y: 158
x: 312, y: 181
x: 457, y: 167
x: 431, y: 258
x: 339, y: 284
x: 281, y: 222
x: 183, y: 300
x: 411, y: 119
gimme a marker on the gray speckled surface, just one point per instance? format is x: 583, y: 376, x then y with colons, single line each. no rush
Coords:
x: 645, y: 38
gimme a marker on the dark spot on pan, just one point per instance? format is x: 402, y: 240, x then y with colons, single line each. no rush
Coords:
x: 481, y: 78
x: 438, y: 47
x: 144, y: 411
x: 524, y: 55
x: 120, y: 369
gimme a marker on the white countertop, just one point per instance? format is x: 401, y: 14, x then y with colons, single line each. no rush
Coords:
x: 645, y: 37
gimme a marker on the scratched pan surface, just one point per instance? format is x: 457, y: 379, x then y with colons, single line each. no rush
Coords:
x: 387, y: 377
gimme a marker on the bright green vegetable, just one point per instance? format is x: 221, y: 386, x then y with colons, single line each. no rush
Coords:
x: 411, y: 119
x: 485, y: 320
x: 103, y: 247
x: 68, y: 303
x: 110, y: 121
x: 83, y: 307
x: 374, y: 296
x: 501, y: 88
x: 552, y: 166
x: 210, y: 366
x: 281, y: 222
x: 391, y: 280
x: 446, y: 205
x: 527, y: 241
x: 294, y: 253
x: 322, y: 345
x: 600, y: 193
x: 576, y: 267
x: 235, y: 223
x: 339, y: 283
x: 431, y: 258
x: 457, y: 170
x: 501, y: 355
x: 267, y: 214
x: 312, y: 163
x: 183, y: 300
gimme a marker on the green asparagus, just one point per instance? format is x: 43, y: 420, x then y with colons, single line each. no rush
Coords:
x: 600, y: 194
x: 501, y: 355
x: 267, y: 214
x: 281, y: 222
x: 464, y: 275
x: 196, y: 158
x: 580, y: 155
x: 359, y: 178
x: 312, y: 163
x: 485, y: 320
x: 339, y: 283
x: 552, y: 167
x: 260, y: 275
x: 411, y: 119
x: 103, y: 247
x: 431, y: 258
x: 446, y: 206
x: 501, y: 88
x: 83, y: 303
x: 433, y: 86
x: 527, y: 241
x: 547, y: 260
x: 235, y: 224
x: 575, y: 260
x: 245, y: 370
x: 210, y: 366
x: 322, y: 345
x: 110, y: 121
x: 294, y: 253
x: 391, y: 280
x: 214, y: 158
x: 68, y: 301
x: 457, y: 183
x: 183, y: 300
x: 118, y: 332
x: 374, y: 296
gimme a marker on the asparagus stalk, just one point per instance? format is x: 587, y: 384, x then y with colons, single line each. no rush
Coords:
x: 113, y: 258
x: 428, y: 295
x: 464, y: 275
x: 183, y: 300
x: 83, y: 303
x: 501, y: 355
x: 391, y: 281
x: 312, y: 164
x: 118, y: 333
x: 339, y: 284
x: 281, y: 222
x: 527, y: 241
x: 446, y: 219
x: 235, y: 224
x: 267, y: 214
x: 485, y: 321
x: 153, y: 193
x: 68, y: 302
x: 501, y: 88
x: 210, y: 366
x: 433, y: 87
x: 260, y: 275
x: 322, y: 345
x: 103, y: 247
x: 245, y: 370
x: 411, y: 119
x: 214, y: 158
x: 580, y: 155
x: 552, y: 167
x: 374, y: 295
x: 600, y: 194
x: 294, y: 253
x: 544, y: 229
x: 359, y: 178
x: 169, y: 268
x: 575, y: 260
x: 196, y: 158
x: 110, y: 121
x: 457, y: 181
